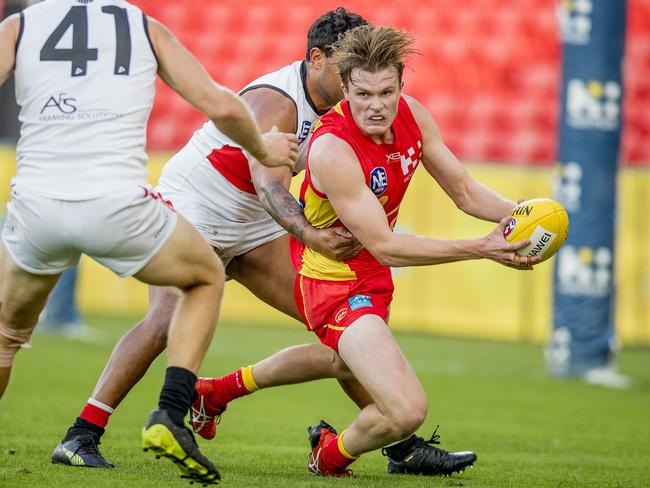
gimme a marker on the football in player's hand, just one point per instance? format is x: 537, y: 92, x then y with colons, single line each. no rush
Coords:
x: 543, y: 221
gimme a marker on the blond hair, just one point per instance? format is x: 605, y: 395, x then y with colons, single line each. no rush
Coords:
x: 373, y: 49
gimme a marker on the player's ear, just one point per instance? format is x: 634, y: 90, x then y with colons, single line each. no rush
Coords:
x: 317, y: 58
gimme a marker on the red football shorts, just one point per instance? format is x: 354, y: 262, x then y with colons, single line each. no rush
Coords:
x: 328, y: 307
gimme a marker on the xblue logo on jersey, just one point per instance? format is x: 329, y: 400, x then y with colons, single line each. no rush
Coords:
x: 304, y: 131
x: 378, y: 180
x: 359, y: 301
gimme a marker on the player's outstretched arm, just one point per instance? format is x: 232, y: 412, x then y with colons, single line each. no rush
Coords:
x: 271, y: 108
x: 469, y: 195
x: 183, y: 73
x: 9, y: 29
x: 336, y: 172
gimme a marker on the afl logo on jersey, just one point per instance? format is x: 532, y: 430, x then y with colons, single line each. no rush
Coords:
x: 378, y: 180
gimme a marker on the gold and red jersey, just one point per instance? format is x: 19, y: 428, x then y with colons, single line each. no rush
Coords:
x: 387, y: 168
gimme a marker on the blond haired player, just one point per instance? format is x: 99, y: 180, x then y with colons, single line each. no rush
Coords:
x: 361, y: 159
x: 244, y: 210
x: 85, y: 72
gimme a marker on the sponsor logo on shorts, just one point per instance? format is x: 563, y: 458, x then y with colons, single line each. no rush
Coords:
x: 359, y: 301
x: 340, y: 315
x: 378, y: 180
x: 509, y: 228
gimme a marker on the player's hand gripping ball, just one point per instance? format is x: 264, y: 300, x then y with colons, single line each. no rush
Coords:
x: 543, y: 221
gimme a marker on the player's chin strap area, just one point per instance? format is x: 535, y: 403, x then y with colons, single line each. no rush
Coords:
x: 11, y: 340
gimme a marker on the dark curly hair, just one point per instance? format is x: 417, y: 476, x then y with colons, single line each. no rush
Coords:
x: 327, y: 29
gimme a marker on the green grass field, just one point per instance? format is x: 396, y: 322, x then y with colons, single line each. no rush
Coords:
x: 494, y: 398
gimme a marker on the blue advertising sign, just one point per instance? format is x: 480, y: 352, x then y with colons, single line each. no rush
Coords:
x: 593, y: 35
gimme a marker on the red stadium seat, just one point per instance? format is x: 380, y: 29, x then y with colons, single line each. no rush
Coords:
x: 489, y: 69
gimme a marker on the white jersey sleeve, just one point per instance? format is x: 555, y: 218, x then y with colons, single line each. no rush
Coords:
x: 85, y: 74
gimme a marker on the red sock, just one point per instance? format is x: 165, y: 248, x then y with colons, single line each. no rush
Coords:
x: 96, y: 413
x: 234, y: 385
x: 334, y: 458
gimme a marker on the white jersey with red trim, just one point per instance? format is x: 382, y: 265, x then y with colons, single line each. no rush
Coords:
x: 85, y: 73
x: 226, y: 155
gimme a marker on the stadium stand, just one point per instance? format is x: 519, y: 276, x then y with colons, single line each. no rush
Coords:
x: 489, y: 69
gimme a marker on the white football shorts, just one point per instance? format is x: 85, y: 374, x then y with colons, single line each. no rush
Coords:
x: 232, y: 221
x: 122, y: 230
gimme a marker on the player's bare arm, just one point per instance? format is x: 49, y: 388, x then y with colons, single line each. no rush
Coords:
x: 469, y: 195
x: 185, y: 75
x: 335, y: 171
x: 9, y: 29
x: 270, y: 109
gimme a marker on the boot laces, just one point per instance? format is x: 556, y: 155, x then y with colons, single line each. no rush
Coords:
x: 201, y: 417
x: 435, y: 438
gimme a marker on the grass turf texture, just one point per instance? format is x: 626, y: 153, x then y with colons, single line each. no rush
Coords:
x: 494, y: 398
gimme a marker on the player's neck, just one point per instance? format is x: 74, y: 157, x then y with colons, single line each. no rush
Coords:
x: 384, y: 138
x: 318, y: 98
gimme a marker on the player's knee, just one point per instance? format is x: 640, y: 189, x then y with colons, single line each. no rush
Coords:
x: 336, y: 367
x: 212, y: 271
x: 406, y: 425
x: 411, y: 422
x: 11, y: 341
x: 410, y: 416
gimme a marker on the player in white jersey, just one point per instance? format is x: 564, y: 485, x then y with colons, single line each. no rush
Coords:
x: 237, y: 204
x: 209, y: 181
x: 244, y: 211
x: 85, y: 72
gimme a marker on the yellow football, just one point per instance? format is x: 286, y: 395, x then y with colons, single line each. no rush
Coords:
x: 543, y: 221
